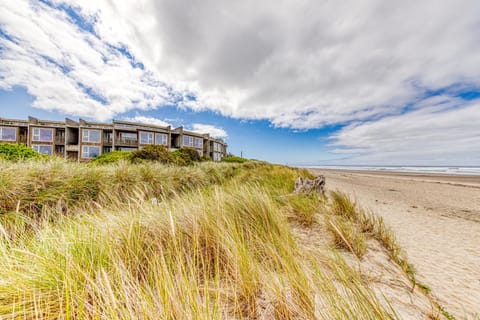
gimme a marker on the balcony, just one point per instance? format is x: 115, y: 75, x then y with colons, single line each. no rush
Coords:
x: 22, y: 138
x: 59, y: 139
x: 126, y: 142
x: 107, y: 140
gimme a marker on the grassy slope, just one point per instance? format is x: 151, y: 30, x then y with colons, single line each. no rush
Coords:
x: 87, y: 242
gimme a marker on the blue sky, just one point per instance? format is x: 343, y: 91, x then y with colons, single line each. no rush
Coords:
x: 297, y: 83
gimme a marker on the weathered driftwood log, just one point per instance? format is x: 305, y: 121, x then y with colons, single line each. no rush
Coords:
x: 310, y: 185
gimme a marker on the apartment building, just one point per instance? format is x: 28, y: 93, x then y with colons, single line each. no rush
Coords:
x: 83, y: 140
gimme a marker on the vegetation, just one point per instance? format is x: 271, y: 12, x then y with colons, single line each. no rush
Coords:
x: 16, y: 152
x: 234, y: 159
x: 150, y: 241
x: 112, y: 157
x: 152, y: 152
x: 185, y: 156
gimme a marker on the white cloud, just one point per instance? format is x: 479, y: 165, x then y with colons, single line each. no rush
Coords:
x: 68, y: 69
x: 300, y: 64
x: 211, y: 129
x: 429, y: 136
x: 148, y: 120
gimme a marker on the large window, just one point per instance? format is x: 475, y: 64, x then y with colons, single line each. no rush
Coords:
x: 216, y: 147
x: 43, y: 149
x: 146, y: 137
x: 161, y: 138
x: 90, y: 151
x: 187, y: 141
x: 91, y: 136
x: 217, y: 157
x: 42, y: 134
x: 198, y: 143
x: 8, y: 134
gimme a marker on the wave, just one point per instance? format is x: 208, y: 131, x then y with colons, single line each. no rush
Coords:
x: 413, y: 169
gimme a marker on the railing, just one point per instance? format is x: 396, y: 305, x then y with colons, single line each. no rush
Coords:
x: 107, y: 140
x: 59, y: 139
x: 126, y: 142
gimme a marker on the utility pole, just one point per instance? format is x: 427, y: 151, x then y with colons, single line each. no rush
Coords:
x: 241, y: 154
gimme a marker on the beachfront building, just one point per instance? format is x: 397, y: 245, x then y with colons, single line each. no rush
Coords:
x: 83, y: 140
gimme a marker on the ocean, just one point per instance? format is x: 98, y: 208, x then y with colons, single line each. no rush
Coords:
x: 412, y: 169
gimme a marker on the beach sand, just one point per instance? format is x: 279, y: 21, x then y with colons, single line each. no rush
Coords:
x: 436, y: 219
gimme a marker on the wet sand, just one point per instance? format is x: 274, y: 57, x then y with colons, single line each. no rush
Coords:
x: 436, y: 219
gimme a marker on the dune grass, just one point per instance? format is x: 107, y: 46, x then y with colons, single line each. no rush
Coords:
x: 87, y: 242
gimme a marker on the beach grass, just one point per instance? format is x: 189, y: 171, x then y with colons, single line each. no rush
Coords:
x: 150, y: 241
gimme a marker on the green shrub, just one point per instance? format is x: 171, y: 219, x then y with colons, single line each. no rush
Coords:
x: 112, y: 157
x: 152, y: 152
x: 15, y: 152
x: 234, y: 159
x: 185, y: 156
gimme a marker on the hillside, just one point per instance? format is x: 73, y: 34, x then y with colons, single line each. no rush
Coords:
x: 210, y: 241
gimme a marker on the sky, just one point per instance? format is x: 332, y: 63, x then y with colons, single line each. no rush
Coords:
x: 298, y: 82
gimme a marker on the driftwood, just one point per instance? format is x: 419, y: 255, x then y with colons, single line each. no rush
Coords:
x: 310, y: 185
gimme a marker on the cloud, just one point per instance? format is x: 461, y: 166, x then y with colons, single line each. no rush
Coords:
x: 148, y: 120
x: 299, y: 64
x: 70, y: 69
x: 436, y: 135
x: 304, y: 65
x: 211, y: 129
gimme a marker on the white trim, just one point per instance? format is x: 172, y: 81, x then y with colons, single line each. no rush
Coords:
x: 149, y: 136
x: 1, y: 133
x: 86, y: 135
x: 164, y: 139
x: 36, y: 135
x: 38, y: 147
x: 86, y: 154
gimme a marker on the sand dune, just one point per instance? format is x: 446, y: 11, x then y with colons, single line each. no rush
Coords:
x: 436, y: 219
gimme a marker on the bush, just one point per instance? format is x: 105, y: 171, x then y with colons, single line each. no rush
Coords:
x: 112, y: 157
x: 185, y: 156
x: 234, y: 159
x: 152, y: 152
x: 15, y: 152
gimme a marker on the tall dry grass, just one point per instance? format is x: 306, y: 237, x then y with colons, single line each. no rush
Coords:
x: 217, y: 244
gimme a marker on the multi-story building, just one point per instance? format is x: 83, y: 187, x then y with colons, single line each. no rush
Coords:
x: 84, y: 140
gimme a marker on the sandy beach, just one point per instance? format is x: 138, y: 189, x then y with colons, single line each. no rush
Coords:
x: 436, y: 219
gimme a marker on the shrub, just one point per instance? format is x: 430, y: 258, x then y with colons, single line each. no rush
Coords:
x: 234, y: 159
x: 152, y: 152
x: 112, y: 157
x: 185, y: 156
x: 15, y: 152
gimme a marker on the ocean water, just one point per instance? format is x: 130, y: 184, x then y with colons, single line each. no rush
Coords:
x: 412, y: 169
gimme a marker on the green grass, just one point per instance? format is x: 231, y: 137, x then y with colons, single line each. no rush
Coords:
x: 87, y: 242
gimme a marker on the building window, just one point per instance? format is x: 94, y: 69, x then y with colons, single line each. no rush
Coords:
x: 217, y: 156
x: 42, y: 134
x: 43, y: 149
x: 216, y: 147
x: 8, y: 134
x: 187, y: 141
x: 198, y: 143
x: 161, y: 138
x: 146, y: 137
x: 91, y: 136
x: 90, y: 151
